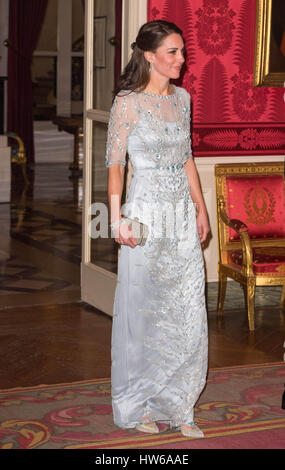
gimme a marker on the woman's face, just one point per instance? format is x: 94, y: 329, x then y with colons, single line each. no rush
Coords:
x: 169, y: 57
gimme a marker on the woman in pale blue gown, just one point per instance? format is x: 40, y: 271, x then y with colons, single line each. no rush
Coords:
x: 159, y: 333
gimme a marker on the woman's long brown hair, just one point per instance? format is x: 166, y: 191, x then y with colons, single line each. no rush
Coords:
x: 136, y: 74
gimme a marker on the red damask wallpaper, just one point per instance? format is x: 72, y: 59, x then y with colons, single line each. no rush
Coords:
x: 229, y: 115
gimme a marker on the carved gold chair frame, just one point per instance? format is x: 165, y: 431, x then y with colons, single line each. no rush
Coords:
x: 20, y: 158
x: 244, y: 274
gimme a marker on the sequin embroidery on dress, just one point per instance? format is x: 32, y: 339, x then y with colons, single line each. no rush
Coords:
x: 159, y: 333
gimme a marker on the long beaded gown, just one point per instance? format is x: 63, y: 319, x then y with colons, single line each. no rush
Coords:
x: 159, y: 334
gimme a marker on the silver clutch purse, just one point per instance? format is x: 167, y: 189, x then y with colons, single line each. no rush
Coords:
x: 140, y: 231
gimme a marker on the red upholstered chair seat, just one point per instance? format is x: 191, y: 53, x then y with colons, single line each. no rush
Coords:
x: 259, y: 202
x: 265, y: 260
x: 251, y: 228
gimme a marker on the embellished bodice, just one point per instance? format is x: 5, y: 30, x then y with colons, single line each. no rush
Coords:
x: 154, y: 130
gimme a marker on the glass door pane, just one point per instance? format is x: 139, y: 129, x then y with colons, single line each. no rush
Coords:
x: 107, y: 51
x: 104, y: 250
x: 44, y: 87
x: 78, y: 25
x: 48, y: 36
x: 103, y: 52
x: 44, y: 66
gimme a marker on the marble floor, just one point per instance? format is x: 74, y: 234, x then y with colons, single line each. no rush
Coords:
x: 48, y: 335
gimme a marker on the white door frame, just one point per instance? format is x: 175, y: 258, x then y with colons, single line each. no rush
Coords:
x: 97, y: 284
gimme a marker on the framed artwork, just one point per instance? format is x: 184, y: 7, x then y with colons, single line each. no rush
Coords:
x: 269, y: 66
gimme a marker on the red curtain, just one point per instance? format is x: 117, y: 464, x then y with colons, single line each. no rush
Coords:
x: 25, y: 22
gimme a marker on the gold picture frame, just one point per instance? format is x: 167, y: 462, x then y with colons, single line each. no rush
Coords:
x: 269, y: 63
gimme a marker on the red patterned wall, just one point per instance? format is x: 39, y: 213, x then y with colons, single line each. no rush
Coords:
x: 229, y: 115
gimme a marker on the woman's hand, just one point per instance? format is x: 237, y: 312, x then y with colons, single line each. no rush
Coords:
x: 124, y: 236
x: 197, y: 198
x: 203, y: 225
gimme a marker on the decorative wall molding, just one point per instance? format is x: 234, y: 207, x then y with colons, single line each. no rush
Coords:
x: 217, y: 139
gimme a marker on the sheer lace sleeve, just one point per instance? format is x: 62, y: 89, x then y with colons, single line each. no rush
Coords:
x: 188, y: 144
x: 120, y: 125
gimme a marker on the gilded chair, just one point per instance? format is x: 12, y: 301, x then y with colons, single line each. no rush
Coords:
x: 19, y: 154
x: 251, y: 228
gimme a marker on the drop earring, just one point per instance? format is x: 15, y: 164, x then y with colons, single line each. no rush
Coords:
x: 150, y: 67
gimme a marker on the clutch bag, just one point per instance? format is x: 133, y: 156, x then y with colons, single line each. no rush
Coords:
x: 140, y: 231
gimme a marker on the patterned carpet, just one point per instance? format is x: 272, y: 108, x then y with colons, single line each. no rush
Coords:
x: 240, y: 407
